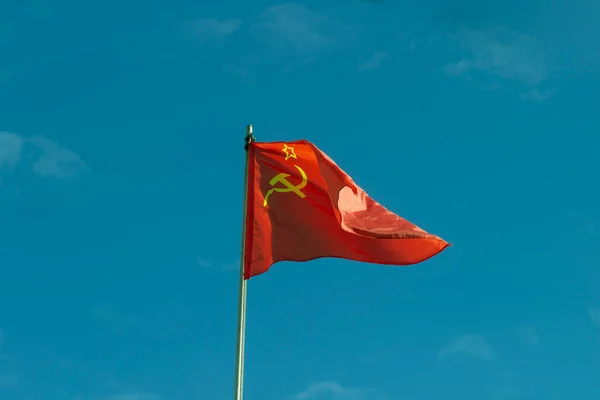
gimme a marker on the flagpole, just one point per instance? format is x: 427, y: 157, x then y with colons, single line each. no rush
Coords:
x: 241, y: 328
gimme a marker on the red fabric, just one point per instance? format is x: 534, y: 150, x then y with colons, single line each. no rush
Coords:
x: 327, y: 216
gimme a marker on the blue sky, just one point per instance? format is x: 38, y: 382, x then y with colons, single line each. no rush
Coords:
x: 121, y: 168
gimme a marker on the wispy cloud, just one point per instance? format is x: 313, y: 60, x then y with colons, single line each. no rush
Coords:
x: 473, y: 345
x: 133, y: 396
x: 538, y: 95
x: 205, y: 264
x: 10, y: 149
x: 529, y: 335
x: 594, y: 314
x: 286, y: 35
x: 56, y: 160
x: 375, y: 61
x: 44, y: 157
x: 209, y: 28
x: 330, y: 390
x: 505, y: 54
x: 295, y: 28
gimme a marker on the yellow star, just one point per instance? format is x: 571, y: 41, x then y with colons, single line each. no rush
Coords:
x: 289, y: 152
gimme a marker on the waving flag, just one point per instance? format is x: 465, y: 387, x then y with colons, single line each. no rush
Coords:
x: 302, y: 206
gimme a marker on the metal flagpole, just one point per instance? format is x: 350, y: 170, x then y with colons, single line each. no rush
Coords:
x: 241, y: 329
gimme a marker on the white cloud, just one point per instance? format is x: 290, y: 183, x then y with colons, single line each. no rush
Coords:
x: 594, y: 314
x: 209, y: 28
x: 473, y: 345
x: 202, y: 263
x: 56, y: 161
x: 295, y: 28
x: 133, y: 396
x: 507, y: 54
x: 538, y: 94
x: 10, y: 149
x: 288, y: 35
x: 329, y: 390
x: 375, y: 61
x: 44, y: 157
x: 529, y: 335
x: 205, y: 264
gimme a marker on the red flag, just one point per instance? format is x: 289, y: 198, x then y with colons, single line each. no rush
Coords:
x: 302, y: 206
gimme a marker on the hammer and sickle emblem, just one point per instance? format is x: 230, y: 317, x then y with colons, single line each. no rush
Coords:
x: 288, y: 186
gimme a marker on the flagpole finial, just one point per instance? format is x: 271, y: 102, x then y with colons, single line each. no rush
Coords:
x: 249, y: 136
